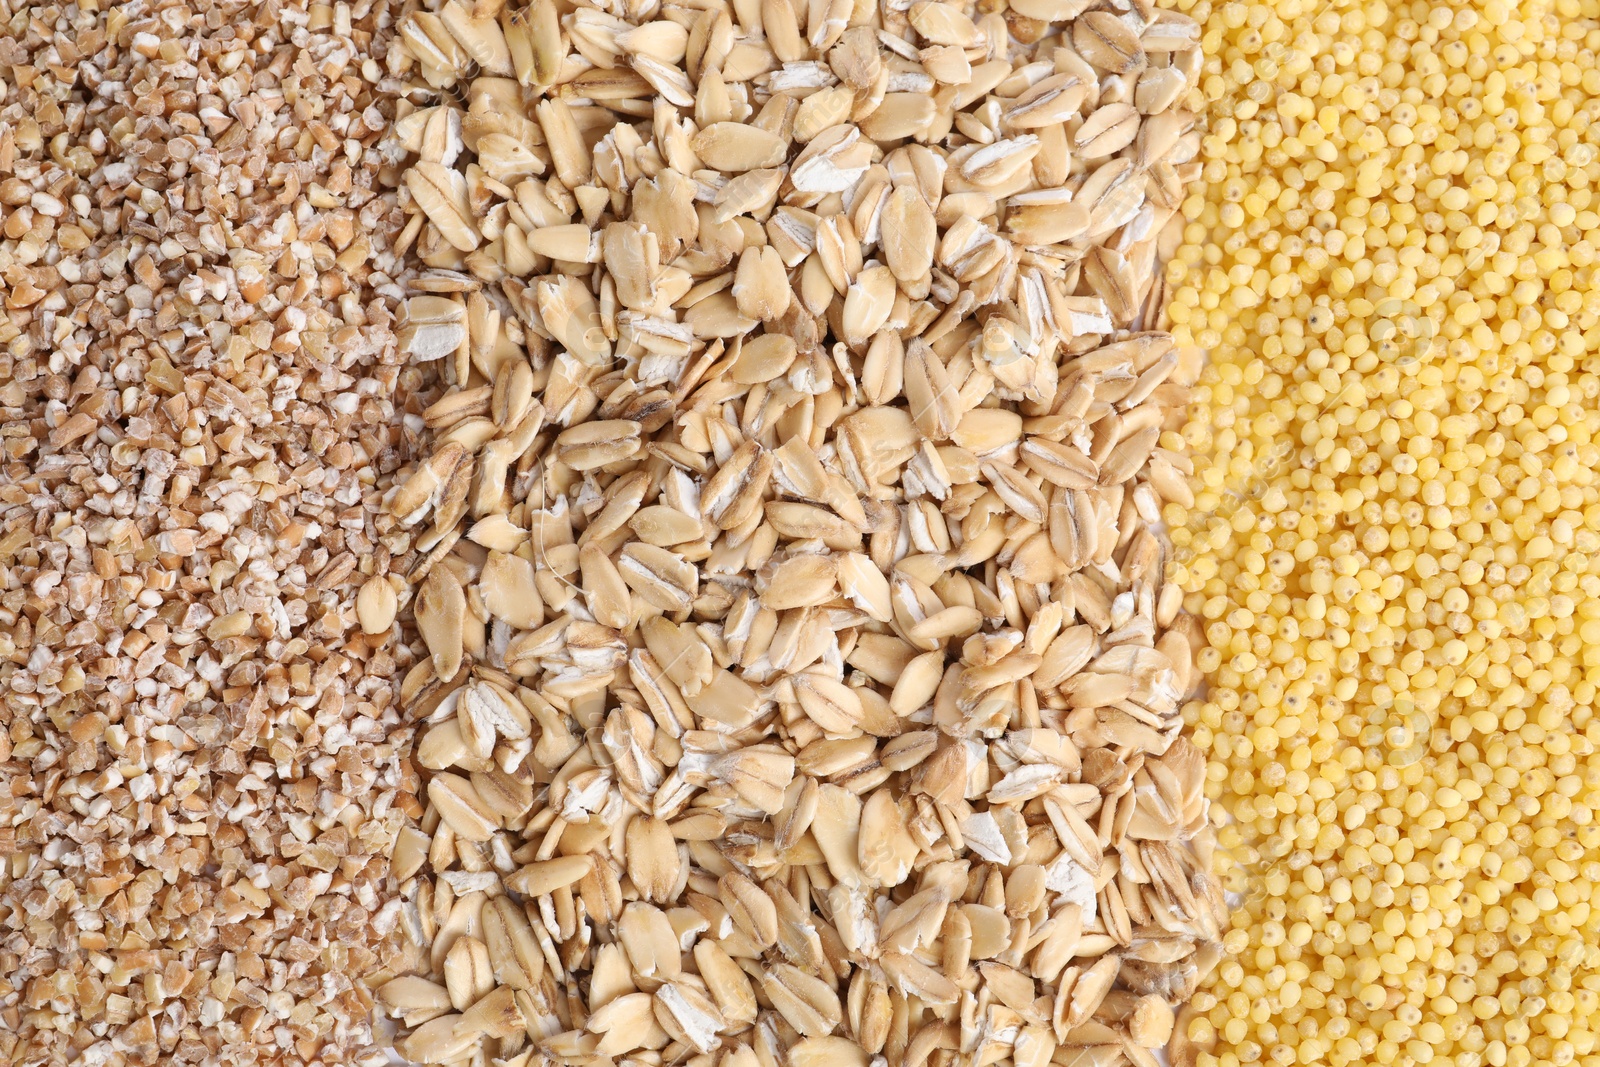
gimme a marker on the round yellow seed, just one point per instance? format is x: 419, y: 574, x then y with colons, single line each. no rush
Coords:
x: 1394, y: 547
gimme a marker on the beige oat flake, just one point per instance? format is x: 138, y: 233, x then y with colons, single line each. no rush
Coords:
x: 802, y: 677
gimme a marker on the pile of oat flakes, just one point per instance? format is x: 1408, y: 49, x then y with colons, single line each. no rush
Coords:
x: 626, y: 530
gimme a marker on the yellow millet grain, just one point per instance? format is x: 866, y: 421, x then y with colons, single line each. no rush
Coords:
x: 1393, y: 547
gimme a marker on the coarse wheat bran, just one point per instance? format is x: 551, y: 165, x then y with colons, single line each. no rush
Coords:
x: 200, y: 409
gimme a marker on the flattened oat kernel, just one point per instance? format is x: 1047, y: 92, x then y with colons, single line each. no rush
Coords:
x: 827, y: 573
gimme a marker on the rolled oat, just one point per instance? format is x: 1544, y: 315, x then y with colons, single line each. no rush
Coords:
x: 812, y: 399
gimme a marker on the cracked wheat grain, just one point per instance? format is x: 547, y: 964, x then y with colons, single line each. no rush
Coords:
x: 200, y: 396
